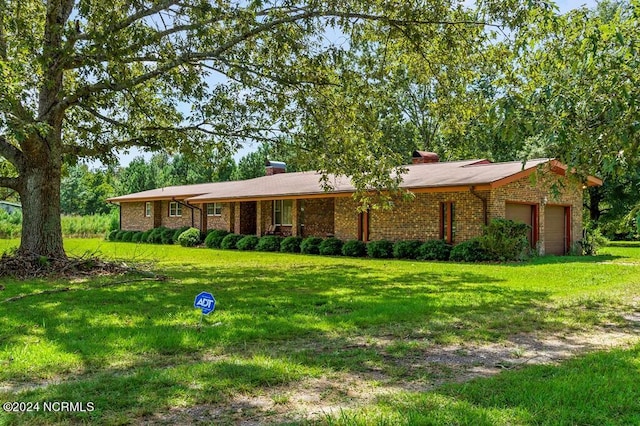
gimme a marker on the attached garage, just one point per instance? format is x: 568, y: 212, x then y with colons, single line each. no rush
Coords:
x: 525, y: 213
x: 556, y: 229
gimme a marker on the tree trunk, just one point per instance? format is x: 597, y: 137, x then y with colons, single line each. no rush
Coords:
x: 595, y: 197
x: 40, y: 196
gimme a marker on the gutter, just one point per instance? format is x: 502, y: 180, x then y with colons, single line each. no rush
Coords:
x: 192, y: 207
x: 472, y: 190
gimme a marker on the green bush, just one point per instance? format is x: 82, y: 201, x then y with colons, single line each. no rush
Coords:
x: 504, y: 239
x: 248, y: 242
x: 381, y: 249
x: 406, y: 249
x: 593, y: 240
x: 434, y: 250
x: 137, y: 235
x: 269, y: 243
x: 126, y: 236
x: 331, y: 247
x: 155, y: 237
x: 214, y: 238
x: 166, y: 236
x: 311, y: 245
x: 145, y: 236
x: 230, y: 240
x: 354, y: 248
x: 177, y: 234
x: 189, y: 238
x: 111, y: 236
x: 119, y: 235
x: 469, y: 251
x: 291, y: 245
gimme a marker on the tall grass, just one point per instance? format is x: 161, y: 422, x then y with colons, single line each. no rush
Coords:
x: 72, y: 226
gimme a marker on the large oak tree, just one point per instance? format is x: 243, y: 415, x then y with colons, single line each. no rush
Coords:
x: 89, y: 79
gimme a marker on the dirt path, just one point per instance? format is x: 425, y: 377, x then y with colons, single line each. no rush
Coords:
x: 314, y: 398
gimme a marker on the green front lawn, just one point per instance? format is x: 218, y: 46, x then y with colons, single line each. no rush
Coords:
x: 135, y: 347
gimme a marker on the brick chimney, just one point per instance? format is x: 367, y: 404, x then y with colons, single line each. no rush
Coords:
x: 275, y: 167
x: 423, y: 157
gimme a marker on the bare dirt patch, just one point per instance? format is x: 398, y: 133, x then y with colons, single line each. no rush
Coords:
x: 425, y: 368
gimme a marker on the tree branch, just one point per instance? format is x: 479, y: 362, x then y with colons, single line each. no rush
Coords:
x: 11, y: 153
x: 10, y: 182
x: 188, y: 57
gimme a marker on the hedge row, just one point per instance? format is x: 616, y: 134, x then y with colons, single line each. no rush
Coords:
x: 430, y: 250
x: 161, y: 235
x: 501, y: 240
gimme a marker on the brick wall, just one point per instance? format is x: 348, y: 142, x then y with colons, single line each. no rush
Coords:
x: 223, y: 221
x: 133, y: 217
x: 318, y: 216
x: 345, y: 218
x: 265, y: 215
x: 178, y: 222
x: 419, y: 219
x: 550, y: 188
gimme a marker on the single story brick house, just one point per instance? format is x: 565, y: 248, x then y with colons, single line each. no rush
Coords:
x: 453, y: 201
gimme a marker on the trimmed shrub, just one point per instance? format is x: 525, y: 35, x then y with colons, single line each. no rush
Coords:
x: 331, y: 247
x: 189, y: 238
x: 229, y: 241
x: 166, y: 236
x: 434, y: 250
x: 214, y: 238
x: 406, y: 249
x: 111, y: 236
x: 145, y: 236
x: 291, y: 245
x: 311, y: 245
x: 119, y: 235
x: 155, y: 237
x: 382, y: 249
x: 137, y: 236
x: 126, y: 236
x: 354, y: 248
x: 248, y: 242
x: 504, y: 239
x: 269, y: 243
x: 177, y: 233
x: 469, y: 251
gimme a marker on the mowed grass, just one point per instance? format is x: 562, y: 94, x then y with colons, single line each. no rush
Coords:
x: 135, y: 347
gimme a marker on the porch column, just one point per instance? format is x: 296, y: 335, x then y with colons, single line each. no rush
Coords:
x: 230, y: 219
x: 236, y: 221
x: 259, y: 221
x: 294, y: 218
x: 203, y: 218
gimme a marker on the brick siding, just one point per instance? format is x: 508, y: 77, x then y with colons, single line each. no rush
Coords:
x: 133, y: 217
x: 223, y: 221
x: 318, y: 216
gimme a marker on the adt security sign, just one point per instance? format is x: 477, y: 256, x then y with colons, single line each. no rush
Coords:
x: 206, y: 302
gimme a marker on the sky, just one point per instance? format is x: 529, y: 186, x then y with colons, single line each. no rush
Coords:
x: 563, y: 6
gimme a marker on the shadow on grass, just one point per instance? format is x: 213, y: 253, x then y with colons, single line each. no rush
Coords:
x: 137, y: 347
x: 599, y: 388
x: 550, y: 260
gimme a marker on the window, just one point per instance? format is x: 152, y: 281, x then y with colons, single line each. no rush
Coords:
x: 175, y: 209
x: 447, y: 222
x: 282, y: 212
x: 214, y: 209
x: 147, y: 209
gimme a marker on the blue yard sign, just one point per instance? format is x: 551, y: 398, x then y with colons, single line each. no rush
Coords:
x: 206, y: 302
